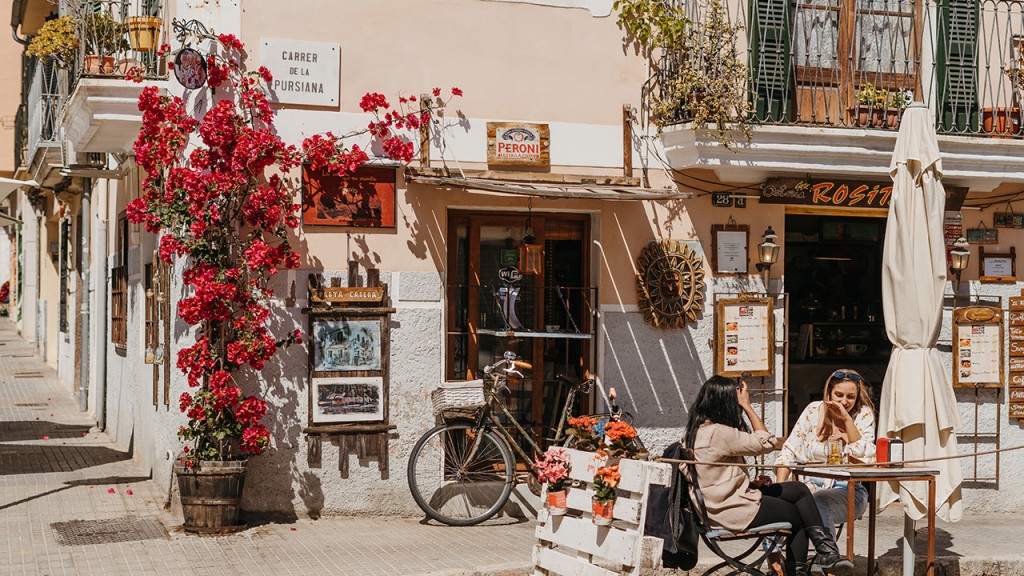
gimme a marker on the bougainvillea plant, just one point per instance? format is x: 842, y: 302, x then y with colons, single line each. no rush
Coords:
x: 216, y: 190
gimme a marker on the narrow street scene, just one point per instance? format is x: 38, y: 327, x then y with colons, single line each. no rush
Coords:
x: 489, y: 287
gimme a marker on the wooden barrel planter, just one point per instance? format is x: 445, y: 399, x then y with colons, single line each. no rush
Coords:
x: 211, y: 496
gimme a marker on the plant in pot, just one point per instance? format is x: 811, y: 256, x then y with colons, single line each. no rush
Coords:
x: 144, y: 29
x: 552, y: 468
x: 620, y: 440
x: 214, y: 192
x: 57, y: 39
x: 605, y: 481
x: 104, y: 37
x: 897, y: 102
x: 584, y: 433
x: 870, y: 109
x: 708, y: 84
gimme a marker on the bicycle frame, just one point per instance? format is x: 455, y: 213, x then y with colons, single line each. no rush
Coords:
x: 488, y: 420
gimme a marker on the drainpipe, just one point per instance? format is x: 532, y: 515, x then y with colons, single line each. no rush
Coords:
x: 83, y: 377
x: 101, y: 321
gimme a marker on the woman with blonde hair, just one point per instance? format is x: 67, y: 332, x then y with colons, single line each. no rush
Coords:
x: 847, y: 414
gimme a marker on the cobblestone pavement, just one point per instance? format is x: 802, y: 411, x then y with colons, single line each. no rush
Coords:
x: 72, y: 504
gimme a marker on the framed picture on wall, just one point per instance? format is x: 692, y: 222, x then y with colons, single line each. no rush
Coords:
x: 997, y: 266
x: 346, y: 344
x: 363, y: 199
x: 348, y: 399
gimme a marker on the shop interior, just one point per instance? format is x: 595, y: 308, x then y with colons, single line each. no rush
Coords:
x: 833, y: 275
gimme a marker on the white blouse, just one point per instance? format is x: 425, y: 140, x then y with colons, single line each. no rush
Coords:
x: 803, y: 444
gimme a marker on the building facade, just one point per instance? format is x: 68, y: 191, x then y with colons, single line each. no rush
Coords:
x: 548, y: 169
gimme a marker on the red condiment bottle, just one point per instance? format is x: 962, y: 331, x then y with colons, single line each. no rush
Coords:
x: 882, y: 451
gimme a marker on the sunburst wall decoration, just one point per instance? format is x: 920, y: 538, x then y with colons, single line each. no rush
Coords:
x: 670, y: 284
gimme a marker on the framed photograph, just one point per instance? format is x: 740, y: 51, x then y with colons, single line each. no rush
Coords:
x: 745, y: 342
x: 351, y: 399
x: 729, y: 248
x: 346, y: 345
x: 978, y: 349
x: 362, y: 199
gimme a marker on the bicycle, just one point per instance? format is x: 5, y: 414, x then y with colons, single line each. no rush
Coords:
x: 462, y: 472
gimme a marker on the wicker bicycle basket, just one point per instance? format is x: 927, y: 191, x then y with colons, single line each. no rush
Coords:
x: 458, y: 398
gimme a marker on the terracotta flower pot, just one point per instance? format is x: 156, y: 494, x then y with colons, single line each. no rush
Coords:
x: 892, y: 117
x: 603, y: 512
x: 866, y: 116
x: 556, y: 502
x: 93, y: 65
x: 143, y: 32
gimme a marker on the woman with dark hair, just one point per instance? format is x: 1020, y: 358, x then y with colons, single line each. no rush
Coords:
x: 717, y: 433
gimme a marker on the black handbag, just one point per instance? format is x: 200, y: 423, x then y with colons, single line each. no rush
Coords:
x: 670, y: 517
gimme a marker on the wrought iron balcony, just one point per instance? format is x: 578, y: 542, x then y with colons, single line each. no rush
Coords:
x: 858, y: 63
x: 118, y: 40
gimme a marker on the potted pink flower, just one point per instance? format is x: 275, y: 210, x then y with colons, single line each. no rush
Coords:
x: 553, y: 468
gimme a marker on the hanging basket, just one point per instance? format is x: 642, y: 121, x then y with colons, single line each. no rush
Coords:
x: 211, y: 496
x: 144, y: 32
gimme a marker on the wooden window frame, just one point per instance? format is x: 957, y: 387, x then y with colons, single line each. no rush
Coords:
x: 119, y: 287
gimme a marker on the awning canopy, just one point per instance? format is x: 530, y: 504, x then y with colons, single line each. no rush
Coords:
x: 8, y: 185
x: 576, y: 190
x: 6, y: 220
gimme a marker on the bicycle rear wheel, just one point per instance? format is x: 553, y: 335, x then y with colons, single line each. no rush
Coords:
x: 455, y: 483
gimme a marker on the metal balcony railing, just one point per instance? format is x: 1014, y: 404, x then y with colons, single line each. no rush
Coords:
x: 21, y: 137
x: 119, y: 37
x: 44, y: 105
x: 858, y: 63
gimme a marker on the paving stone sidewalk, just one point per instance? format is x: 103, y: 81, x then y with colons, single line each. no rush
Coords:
x: 71, y: 504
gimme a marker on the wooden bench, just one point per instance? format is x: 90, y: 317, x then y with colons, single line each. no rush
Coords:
x: 573, y: 545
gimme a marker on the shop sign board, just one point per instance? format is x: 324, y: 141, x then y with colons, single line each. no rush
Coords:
x: 837, y: 193
x: 518, y: 144
x: 354, y: 294
x: 304, y: 72
x: 978, y: 347
x: 745, y: 337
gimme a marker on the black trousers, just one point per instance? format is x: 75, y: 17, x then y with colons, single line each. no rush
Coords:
x: 789, y: 502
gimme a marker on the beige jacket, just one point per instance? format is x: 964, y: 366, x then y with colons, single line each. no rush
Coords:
x: 730, y: 502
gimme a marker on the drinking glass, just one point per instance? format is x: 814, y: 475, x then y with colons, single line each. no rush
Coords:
x: 834, y: 450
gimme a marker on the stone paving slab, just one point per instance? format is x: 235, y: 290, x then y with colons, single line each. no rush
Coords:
x: 80, y: 475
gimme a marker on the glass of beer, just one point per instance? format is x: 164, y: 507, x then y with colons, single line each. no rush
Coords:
x: 834, y: 451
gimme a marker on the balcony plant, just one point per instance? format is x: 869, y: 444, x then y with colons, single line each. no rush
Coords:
x: 58, y: 40
x: 869, y: 110
x: 104, y: 37
x: 709, y: 85
x: 214, y: 192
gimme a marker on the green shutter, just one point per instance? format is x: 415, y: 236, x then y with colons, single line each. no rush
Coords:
x: 771, y: 59
x: 957, y: 65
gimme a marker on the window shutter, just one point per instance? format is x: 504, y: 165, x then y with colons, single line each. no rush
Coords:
x: 957, y: 65
x: 771, y: 61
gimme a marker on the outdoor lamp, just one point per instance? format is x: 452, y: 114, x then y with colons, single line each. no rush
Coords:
x: 959, y: 257
x: 767, y: 254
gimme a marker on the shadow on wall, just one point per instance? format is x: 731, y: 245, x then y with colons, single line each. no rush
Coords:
x: 656, y: 373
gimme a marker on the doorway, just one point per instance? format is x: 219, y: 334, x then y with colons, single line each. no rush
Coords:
x: 833, y: 273
x: 520, y: 282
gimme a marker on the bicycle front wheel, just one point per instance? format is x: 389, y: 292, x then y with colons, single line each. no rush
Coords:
x: 460, y: 476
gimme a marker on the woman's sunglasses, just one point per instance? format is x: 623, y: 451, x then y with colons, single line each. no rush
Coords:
x: 852, y: 376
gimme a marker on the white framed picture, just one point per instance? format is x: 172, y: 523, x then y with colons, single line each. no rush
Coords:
x: 349, y: 399
x: 342, y: 345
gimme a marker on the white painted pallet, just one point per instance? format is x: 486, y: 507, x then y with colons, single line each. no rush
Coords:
x: 572, y: 545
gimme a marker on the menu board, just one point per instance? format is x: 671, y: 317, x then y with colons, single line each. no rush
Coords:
x: 745, y: 343
x: 978, y: 347
x: 1016, y: 377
